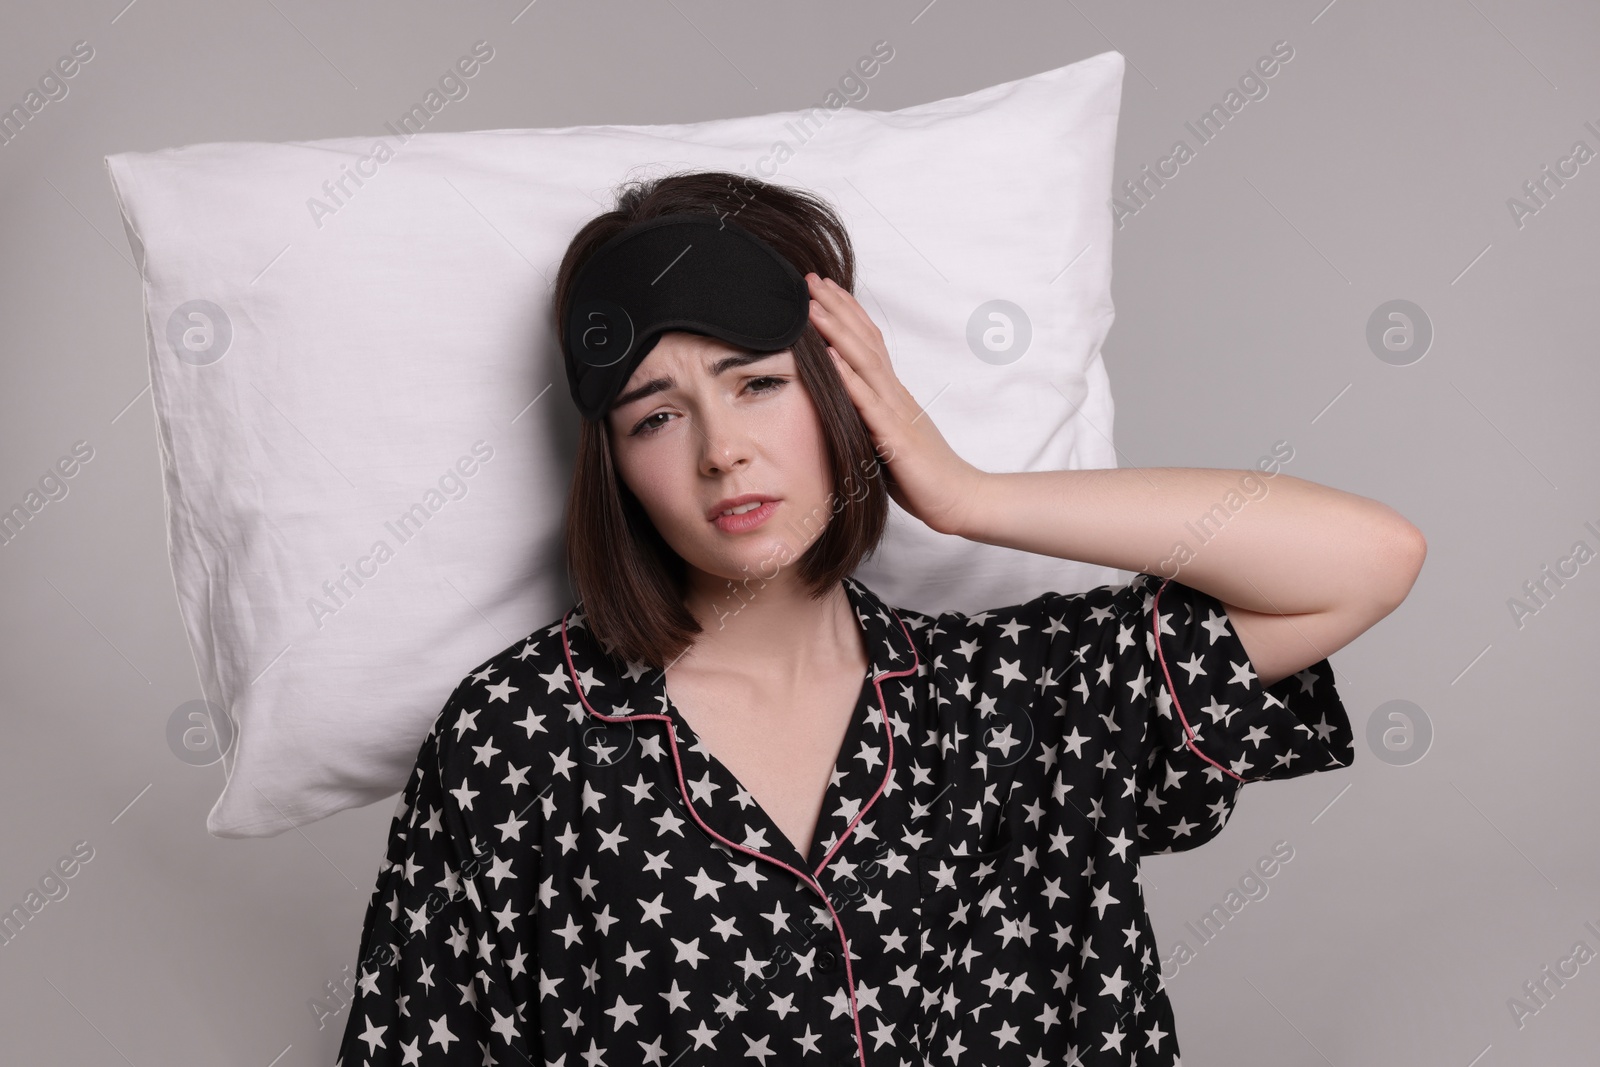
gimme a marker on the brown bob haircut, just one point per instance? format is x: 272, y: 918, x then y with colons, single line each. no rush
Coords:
x: 629, y: 582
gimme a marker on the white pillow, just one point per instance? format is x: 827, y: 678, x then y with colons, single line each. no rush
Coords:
x: 364, y: 425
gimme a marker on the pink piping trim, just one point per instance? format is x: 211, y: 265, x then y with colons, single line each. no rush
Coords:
x: 808, y: 879
x: 1188, y: 734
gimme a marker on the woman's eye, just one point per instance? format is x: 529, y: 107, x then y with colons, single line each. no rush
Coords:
x: 647, y: 426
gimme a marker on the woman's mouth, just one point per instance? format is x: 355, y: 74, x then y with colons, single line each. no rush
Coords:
x: 745, y: 517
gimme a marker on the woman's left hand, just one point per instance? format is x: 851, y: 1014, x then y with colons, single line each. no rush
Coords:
x: 927, y: 478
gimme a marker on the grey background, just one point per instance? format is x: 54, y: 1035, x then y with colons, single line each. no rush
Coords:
x: 1378, y: 167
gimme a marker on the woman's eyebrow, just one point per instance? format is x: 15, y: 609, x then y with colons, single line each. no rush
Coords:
x: 656, y: 385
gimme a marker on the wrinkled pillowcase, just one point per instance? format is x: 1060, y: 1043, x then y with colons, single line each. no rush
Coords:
x: 364, y: 426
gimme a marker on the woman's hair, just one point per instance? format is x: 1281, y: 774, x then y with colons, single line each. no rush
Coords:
x: 628, y: 580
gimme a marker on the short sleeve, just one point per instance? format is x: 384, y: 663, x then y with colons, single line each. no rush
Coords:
x: 1215, y: 726
x: 441, y: 978
x: 1155, y: 669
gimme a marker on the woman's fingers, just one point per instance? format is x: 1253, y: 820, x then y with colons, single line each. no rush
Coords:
x: 845, y: 314
x: 835, y: 305
x: 925, y: 474
x: 845, y: 324
x: 848, y: 306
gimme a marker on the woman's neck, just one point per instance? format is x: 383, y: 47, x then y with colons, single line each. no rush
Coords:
x: 775, y: 631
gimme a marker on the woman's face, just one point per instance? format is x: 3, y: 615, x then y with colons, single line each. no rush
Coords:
x: 716, y: 423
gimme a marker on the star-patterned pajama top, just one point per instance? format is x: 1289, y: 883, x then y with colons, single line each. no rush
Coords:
x: 574, y: 880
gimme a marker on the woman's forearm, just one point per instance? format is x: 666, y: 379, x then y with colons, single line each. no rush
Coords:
x: 1277, y: 543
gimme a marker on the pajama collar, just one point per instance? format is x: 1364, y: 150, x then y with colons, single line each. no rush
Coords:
x: 628, y: 705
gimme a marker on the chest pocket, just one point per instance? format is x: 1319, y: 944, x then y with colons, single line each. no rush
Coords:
x: 953, y: 862
x: 975, y: 934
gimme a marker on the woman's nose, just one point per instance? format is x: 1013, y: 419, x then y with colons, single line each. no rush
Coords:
x: 724, y: 441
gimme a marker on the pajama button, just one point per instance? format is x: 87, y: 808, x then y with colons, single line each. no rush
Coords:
x: 827, y: 961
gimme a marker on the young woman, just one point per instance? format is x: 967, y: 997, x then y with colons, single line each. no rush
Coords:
x: 732, y: 807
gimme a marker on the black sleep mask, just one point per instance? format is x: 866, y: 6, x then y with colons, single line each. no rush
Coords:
x: 691, y: 271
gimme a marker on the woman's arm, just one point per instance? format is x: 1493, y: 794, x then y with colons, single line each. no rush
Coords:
x: 1303, y: 569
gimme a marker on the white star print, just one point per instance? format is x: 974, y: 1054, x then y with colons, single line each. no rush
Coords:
x: 947, y: 859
